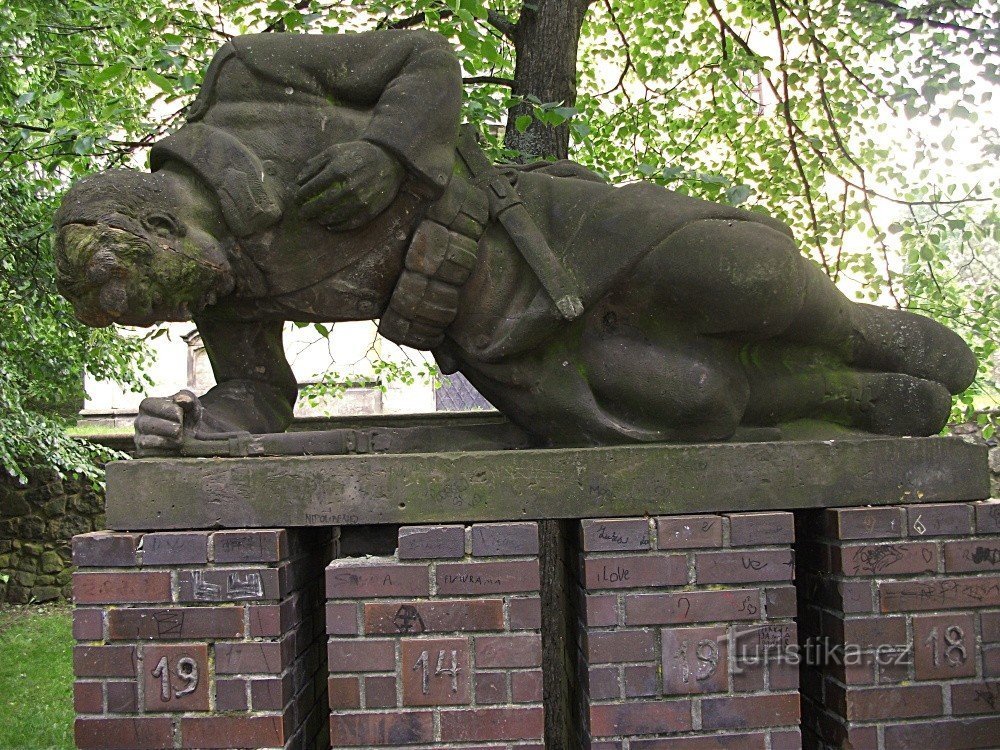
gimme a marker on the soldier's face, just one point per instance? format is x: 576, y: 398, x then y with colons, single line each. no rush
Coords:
x: 136, y: 270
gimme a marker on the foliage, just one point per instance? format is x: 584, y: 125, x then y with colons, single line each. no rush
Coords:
x: 826, y: 113
x: 36, y: 678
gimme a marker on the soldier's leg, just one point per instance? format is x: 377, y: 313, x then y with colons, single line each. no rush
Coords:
x: 788, y: 383
x: 749, y: 280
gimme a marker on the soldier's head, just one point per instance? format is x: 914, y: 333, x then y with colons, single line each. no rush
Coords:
x: 138, y: 248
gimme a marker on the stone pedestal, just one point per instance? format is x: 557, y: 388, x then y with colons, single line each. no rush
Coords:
x: 200, y: 639
x: 439, y: 645
x: 684, y: 622
x: 901, y: 608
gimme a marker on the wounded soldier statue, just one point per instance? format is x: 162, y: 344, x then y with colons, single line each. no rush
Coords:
x: 328, y: 178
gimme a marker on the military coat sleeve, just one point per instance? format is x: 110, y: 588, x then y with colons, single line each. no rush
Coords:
x: 411, y: 81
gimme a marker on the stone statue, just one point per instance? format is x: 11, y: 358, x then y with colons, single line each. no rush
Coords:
x: 326, y: 178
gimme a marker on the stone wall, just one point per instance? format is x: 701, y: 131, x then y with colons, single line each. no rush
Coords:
x: 37, y: 522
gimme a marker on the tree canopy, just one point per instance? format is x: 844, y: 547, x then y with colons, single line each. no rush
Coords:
x: 844, y: 118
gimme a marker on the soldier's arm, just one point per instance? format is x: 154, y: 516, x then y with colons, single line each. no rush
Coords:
x: 412, y: 80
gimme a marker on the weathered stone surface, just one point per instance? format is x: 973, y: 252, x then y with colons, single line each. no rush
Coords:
x: 658, y: 479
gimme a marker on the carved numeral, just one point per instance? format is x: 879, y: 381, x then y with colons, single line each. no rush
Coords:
x: 951, y: 649
x: 423, y: 663
x: 187, y: 672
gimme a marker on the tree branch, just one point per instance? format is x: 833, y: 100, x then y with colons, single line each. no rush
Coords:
x: 501, y: 23
x: 496, y: 80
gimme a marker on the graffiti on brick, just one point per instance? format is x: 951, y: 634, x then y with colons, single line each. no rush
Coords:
x: 408, y: 620
x: 239, y: 585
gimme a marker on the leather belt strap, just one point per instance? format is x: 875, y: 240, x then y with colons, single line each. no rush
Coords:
x: 507, y: 207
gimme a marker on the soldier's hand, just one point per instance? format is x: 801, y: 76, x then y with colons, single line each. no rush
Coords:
x: 162, y: 421
x: 348, y: 184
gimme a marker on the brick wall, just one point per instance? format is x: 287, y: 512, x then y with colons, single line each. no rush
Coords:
x: 200, y: 639
x: 681, y: 620
x: 438, y: 645
x: 902, y: 605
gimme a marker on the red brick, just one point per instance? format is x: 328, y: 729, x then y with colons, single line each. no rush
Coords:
x: 191, y: 623
x: 744, y: 567
x: 602, y: 611
x: 896, y: 702
x: 250, y: 657
x: 271, y: 693
x: 935, y: 658
x: 104, y: 661
x: 273, y: 620
x: 525, y: 613
x: 374, y: 729
x: 944, y: 519
x: 413, y: 618
x: 616, y: 535
x: 341, y: 618
x: 987, y: 517
x: 106, y: 549
x: 640, y: 717
x: 88, y: 624
x: 88, y: 697
x: 212, y: 732
x: 884, y: 559
x: 603, y: 682
x: 349, y: 655
x: 473, y: 725
x: 750, y: 712
x: 947, y: 734
x: 229, y: 584
x: 526, y: 687
x: 423, y: 542
x: 973, y: 556
x: 121, y: 588
x: 491, y: 688
x: 122, y: 698
x: 759, y: 529
x: 508, y: 651
x: 866, y: 632
x: 695, y: 660
x: 692, y: 606
x: 132, y: 733
x: 175, y: 548
x: 231, y: 695
x: 636, y: 571
x: 939, y: 593
x: 436, y: 672
x: 713, y: 742
x: 253, y: 546
x: 975, y: 697
x: 163, y: 694
x: 350, y: 579
x: 864, y: 523
x: 688, y: 532
x: 505, y: 539
x: 477, y: 578
x: 991, y: 662
x: 790, y: 739
x: 781, y: 601
x: 642, y: 680
x: 344, y: 692
x: 617, y: 646
x: 990, y: 626
x: 380, y: 692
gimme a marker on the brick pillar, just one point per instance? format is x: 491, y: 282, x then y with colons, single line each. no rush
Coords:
x: 903, y: 611
x: 200, y: 639
x: 438, y: 645
x: 684, y: 620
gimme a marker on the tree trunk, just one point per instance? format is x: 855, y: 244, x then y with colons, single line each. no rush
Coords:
x: 545, y: 41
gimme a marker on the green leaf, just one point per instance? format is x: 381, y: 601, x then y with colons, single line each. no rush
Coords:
x: 521, y: 123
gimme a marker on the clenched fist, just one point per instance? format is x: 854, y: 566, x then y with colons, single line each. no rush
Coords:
x: 163, y: 422
x: 348, y: 184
